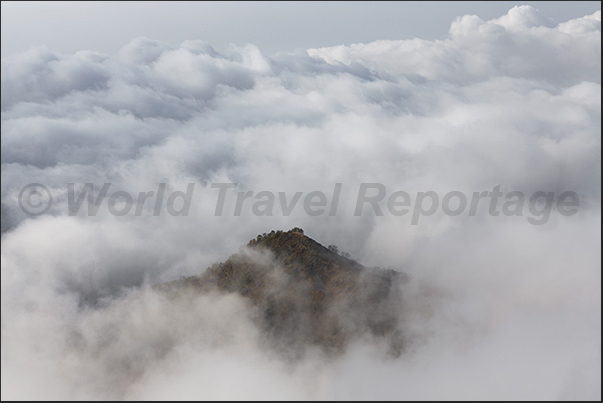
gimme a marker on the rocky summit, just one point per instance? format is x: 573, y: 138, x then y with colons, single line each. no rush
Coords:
x: 306, y: 295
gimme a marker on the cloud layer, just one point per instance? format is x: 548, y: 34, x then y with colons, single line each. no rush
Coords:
x: 500, y: 308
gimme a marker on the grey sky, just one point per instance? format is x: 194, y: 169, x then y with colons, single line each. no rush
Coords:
x: 105, y: 27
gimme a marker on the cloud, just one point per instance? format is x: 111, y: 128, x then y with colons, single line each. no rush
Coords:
x: 521, y: 44
x: 498, y: 308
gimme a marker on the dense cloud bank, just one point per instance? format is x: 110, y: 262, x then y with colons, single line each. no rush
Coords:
x: 497, y: 308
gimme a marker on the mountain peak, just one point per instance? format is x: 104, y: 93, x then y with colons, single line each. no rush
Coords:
x: 305, y: 293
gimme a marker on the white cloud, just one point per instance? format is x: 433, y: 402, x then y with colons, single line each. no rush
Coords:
x: 497, y: 308
x: 521, y: 44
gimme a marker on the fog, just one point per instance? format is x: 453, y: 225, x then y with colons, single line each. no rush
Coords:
x: 496, y: 308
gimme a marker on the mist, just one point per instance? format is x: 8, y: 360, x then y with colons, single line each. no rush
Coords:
x: 496, y: 308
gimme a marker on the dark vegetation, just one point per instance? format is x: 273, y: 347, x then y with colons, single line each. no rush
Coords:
x: 305, y: 294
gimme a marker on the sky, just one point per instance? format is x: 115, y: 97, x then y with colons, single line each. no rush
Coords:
x: 104, y: 27
x: 451, y: 101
